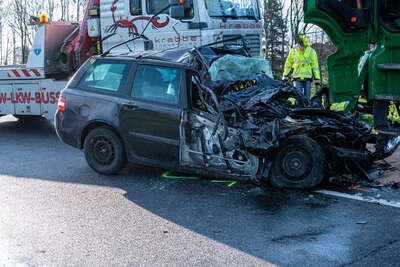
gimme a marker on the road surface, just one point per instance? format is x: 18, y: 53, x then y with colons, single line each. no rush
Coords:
x: 55, y: 211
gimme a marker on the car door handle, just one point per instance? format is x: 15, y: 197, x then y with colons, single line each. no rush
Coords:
x: 129, y: 106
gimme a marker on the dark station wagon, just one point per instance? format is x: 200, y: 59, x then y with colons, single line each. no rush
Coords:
x: 162, y: 109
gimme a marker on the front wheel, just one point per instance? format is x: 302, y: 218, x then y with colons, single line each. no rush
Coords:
x: 104, y: 151
x: 299, y: 164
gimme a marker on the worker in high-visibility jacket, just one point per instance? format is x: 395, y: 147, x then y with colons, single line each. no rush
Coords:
x: 302, y: 65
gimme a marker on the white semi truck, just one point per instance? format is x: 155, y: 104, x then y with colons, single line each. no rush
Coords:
x: 60, y: 48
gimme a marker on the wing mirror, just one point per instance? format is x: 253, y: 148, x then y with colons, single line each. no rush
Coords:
x: 177, y: 8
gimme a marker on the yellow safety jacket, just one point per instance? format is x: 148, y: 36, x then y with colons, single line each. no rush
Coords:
x: 302, y: 64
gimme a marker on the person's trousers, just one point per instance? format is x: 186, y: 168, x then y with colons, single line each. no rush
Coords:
x: 304, y: 87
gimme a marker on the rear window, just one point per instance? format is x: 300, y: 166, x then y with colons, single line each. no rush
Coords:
x: 106, y: 76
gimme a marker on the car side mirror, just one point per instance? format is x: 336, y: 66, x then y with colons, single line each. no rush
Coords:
x: 176, y: 10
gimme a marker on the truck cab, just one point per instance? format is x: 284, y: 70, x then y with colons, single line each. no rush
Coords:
x: 199, y: 23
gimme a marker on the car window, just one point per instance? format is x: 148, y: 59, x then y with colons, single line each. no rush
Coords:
x: 136, y: 7
x: 104, y: 76
x: 160, y: 84
x: 154, y: 6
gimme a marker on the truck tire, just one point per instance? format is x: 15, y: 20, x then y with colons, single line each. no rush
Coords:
x: 104, y: 151
x: 299, y: 164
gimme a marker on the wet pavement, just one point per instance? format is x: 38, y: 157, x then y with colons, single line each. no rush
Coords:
x: 54, y: 210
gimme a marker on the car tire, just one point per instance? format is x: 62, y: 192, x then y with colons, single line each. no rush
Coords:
x: 299, y: 164
x: 104, y: 151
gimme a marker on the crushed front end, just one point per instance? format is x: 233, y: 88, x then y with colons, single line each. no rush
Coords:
x: 256, y: 128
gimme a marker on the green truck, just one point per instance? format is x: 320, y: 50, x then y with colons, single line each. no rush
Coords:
x: 366, y: 64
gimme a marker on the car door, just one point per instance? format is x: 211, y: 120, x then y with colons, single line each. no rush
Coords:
x: 150, y: 115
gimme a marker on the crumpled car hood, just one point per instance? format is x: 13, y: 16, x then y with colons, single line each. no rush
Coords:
x: 267, y: 111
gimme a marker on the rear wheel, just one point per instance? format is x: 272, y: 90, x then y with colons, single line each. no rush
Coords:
x: 299, y: 164
x: 104, y: 151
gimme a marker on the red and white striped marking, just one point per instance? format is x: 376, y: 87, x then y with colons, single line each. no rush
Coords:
x: 24, y: 73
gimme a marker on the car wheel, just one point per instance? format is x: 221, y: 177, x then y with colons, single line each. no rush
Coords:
x: 104, y: 151
x: 299, y: 164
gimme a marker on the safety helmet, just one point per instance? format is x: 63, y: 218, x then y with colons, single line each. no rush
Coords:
x: 302, y: 40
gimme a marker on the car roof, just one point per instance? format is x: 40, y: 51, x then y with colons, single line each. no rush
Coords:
x: 176, y: 56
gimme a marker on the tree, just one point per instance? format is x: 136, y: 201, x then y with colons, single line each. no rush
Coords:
x: 275, y: 29
x: 79, y: 8
x: 7, y: 51
x: 296, y: 17
x: 65, y: 10
x: 1, y: 31
x: 18, y: 9
x: 50, y: 8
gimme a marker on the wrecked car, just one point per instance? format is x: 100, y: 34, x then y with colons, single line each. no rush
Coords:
x: 189, y: 110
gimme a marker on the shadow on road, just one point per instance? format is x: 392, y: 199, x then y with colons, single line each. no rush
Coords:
x: 280, y: 226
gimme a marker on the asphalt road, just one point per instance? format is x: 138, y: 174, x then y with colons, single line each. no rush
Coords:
x: 55, y: 211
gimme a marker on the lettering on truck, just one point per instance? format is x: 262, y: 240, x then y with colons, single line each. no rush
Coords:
x: 240, y: 26
x: 27, y: 98
x: 183, y: 39
x: 168, y: 42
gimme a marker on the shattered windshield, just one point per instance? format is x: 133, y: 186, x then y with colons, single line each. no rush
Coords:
x: 233, y: 8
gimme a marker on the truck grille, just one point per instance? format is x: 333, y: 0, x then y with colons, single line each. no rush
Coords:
x: 252, y: 42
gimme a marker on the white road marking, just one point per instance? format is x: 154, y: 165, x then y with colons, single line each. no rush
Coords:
x: 384, y: 202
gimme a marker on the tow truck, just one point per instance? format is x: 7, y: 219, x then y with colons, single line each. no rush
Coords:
x: 60, y: 48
